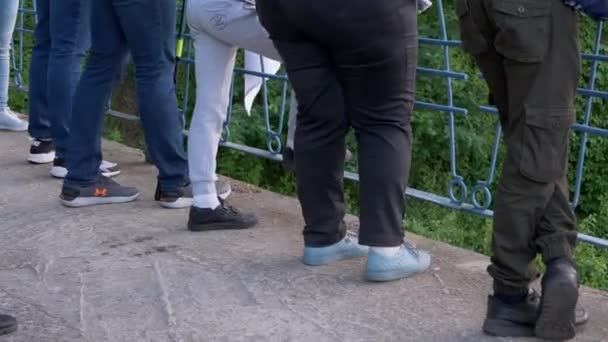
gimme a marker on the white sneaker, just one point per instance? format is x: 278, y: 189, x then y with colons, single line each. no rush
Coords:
x: 107, y: 169
x: 11, y: 122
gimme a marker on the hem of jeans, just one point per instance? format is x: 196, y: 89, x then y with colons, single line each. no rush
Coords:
x: 171, y: 185
x: 70, y: 182
x: 40, y: 136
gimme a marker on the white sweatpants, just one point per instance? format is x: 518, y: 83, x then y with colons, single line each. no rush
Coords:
x: 219, y: 28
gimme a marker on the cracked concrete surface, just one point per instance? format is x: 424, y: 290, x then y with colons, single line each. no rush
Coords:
x: 134, y: 273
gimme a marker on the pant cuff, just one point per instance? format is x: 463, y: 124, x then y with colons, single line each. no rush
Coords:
x: 328, y: 237
x: 509, y: 290
x: 557, y: 248
x: 79, y: 183
x: 381, y: 241
x: 203, y: 188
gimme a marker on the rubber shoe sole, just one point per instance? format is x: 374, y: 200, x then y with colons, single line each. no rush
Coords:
x: 502, y: 328
x: 41, y: 158
x: 14, y: 129
x: 8, y: 330
x: 79, y: 202
x: 383, y: 276
x: 557, y: 312
x: 180, y: 203
x: 320, y: 259
x: 110, y: 173
x: 220, y: 226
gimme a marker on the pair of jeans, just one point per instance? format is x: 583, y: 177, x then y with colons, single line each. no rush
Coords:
x: 146, y: 29
x: 351, y: 65
x: 62, y: 38
x: 8, y: 15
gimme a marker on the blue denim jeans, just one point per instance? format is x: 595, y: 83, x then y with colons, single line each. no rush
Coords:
x: 8, y: 15
x: 146, y: 29
x: 62, y: 38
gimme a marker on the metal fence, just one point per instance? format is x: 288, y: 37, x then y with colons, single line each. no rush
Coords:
x: 460, y: 196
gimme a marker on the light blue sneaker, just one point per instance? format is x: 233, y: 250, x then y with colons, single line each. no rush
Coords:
x: 347, y: 248
x: 407, y: 262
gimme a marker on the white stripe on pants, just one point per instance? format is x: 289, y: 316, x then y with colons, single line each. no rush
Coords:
x: 218, y: 28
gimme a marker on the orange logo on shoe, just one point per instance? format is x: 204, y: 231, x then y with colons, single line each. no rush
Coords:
x: 101, y: 192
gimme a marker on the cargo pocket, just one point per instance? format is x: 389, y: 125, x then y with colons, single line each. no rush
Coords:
x: 473, y: 41
x: 524, y: 28
x: 545, y: 143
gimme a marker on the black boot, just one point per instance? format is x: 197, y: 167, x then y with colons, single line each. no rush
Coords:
x: 8, y: 324
x: 518, y: 319
x: 512, y: 319
x: 557, y: 315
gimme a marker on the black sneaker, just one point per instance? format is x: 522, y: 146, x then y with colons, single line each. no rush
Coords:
x: 105, y: 191
x: 41, y: 151
x: 512, y: 320
x: 175, y: 199
x: 222, y: 217
x: 8, y: 324
x: 557, y: 318
x: 519, y: 319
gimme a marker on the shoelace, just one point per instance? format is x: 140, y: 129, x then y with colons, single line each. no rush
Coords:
x: 350, y: 237
x: 412, y: 249
x: 12, y: 114
x: 228, y: 209
x: 107, y: 165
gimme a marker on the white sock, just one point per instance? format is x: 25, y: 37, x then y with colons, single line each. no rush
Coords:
x: 386, y: 251
x: 208, y: 201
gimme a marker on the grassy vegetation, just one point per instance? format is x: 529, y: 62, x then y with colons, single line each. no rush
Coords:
x: 431, y: 164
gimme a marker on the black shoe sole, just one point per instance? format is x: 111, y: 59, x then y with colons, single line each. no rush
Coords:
x: 194, y: 227
x: 557, y: 312
x: 8, y: 330
x: 502, y: 328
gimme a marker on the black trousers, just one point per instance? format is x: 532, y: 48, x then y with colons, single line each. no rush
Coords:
x: 529, y: 54
x: 352, y: 64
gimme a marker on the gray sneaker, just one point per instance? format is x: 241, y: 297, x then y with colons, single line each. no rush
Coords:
x: 105, y: 191
x: 178, y: 198
x: 182, y: 197
x: 10, y: 121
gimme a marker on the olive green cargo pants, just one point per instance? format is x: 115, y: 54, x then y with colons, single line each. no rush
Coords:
x: 528, y: 52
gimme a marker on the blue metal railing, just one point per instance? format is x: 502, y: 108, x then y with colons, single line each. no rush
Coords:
x: 459, y: 196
